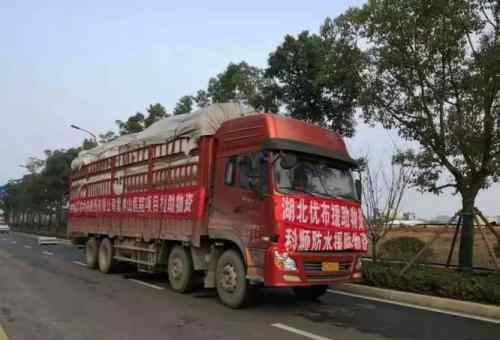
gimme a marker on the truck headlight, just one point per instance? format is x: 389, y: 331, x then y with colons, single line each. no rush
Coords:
x: 283, y: 261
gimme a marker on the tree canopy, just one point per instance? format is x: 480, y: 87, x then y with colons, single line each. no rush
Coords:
x: 317, y: 79
x: 138, y: 122
x: 243, y: 83
x: 433, y: 73
x: 184, y: 105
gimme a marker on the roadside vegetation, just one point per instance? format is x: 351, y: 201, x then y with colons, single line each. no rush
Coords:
x: 435, y: 281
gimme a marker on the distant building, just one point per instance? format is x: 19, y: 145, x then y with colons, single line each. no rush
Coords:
x: 400, y: 215
x: 407, y: 223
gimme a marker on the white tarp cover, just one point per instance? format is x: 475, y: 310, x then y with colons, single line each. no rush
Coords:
x: 203, y: 122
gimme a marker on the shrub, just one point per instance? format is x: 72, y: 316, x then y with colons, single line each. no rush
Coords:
x: 404, y: 248
x: 497, y: 248
x: 435, y: 281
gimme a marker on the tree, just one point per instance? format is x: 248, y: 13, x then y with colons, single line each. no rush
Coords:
x: 88, y: 144
x: 202, y: 98
x: 184, y: 105
x: 139, y: 122
x: 107, y: 137
x: 155, y: 113
x: 246, y: 84
x: 43, y: 191
x: 317, y: 78
x: 382, y: 196
x: 433, y: 74
x: 133, y: 124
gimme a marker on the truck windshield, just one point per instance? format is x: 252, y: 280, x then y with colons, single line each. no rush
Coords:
x: 315, y: 176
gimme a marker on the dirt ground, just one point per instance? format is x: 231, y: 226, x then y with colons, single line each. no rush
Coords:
x: 442, y: 245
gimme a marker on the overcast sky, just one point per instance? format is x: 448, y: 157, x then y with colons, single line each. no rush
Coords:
x: 92, y: 62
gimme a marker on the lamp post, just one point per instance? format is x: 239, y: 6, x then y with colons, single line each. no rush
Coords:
x: 84, y: 130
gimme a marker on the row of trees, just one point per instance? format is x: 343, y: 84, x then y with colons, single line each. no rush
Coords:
x: 40, y: 196
x: 428, y: 68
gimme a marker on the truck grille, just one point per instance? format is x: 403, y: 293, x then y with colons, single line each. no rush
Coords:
x: 314, y: 274
x: 315, y: 266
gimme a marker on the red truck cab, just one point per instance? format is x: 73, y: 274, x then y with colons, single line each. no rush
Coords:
x: 284, y: 192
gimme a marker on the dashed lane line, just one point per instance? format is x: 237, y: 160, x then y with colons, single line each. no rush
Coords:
x: 409, y: 305
x: 147, y: 284
x: 48, y: 253
x: 299, y: 332
x: 27, y: 247
x: 80, y: 263
x: 3, y: 335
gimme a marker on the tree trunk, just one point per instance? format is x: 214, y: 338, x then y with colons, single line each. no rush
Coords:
x: 374, y: 250
x: 467, y: 236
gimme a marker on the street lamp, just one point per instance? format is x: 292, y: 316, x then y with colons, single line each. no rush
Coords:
x: 84, y: 130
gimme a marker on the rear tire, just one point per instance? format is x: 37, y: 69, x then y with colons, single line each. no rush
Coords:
x: 310, y: 293
x: 91, y: 252
x: 180, y: 270
x: 232, y: 286
x: 106, y: 253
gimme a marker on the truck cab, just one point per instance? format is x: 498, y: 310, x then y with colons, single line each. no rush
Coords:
x: 284, y: 191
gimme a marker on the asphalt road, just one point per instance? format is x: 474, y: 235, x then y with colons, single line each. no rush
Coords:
x: 47, y: 293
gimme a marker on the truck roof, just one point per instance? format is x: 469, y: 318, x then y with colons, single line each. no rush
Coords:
x: 272, y: 131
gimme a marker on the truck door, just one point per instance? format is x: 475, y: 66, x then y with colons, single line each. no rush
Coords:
x: 236, y: 208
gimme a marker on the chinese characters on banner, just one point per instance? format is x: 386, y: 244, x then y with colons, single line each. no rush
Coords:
x: 312, y: 224
x: 184, y: 203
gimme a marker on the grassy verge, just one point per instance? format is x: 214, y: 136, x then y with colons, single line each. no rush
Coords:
x: 442, y: 282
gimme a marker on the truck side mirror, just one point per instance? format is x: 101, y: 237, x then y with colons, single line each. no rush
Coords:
x: 359, y: 189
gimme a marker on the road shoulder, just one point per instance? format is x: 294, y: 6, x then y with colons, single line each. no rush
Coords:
x: 477, y: 310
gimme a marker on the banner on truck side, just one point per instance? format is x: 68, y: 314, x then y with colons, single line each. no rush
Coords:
x: 313, y: 224
x: 182, y: 203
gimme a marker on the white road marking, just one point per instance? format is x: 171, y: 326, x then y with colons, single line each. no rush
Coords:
x: 13, y: 242
x: 147, y: 284
x: 48, y: 253
x: 409, y: 305
x: 80, y: 263
x: 3, y: 335
x: 299, y: 332
x: 27, y: 247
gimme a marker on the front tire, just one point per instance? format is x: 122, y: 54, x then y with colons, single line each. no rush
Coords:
x: 106, y: 253
x: 310, y: 293
x: 91, y: 252
x: 180, y: 269
x: 232, y: 286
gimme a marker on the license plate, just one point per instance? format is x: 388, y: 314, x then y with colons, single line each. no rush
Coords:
x: 329, y: 266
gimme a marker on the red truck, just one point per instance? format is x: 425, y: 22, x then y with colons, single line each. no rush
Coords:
x: 224, y: 197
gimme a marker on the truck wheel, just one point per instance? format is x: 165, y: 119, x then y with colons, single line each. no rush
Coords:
x: 106, y: 253
x: 180, y: 270
x: 310, y: 293
x: 232, y: 286
x: 91, y: 252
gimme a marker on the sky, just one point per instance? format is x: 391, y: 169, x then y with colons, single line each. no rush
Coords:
x: 90, y: 63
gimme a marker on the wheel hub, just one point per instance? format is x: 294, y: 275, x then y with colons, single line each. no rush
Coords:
x: 176, y: 268
x: 229, y: 279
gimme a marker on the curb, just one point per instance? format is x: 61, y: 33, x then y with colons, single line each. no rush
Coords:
x: 64, y: 241
x: 455, y: 306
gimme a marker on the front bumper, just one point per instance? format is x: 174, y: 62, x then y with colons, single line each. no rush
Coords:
x: 309, y: 269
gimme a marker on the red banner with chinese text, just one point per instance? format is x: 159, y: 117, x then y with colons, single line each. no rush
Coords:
x: 320, y: 224
x: 182, y: 203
